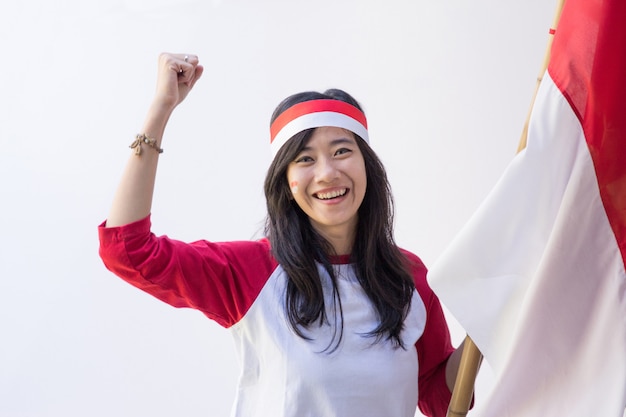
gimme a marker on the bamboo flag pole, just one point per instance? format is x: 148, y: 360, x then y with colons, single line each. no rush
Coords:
x: 472, y: 357
x: 464, y: 385
x: 544, y: 66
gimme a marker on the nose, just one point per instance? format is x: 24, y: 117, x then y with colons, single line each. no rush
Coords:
x: 326, y: 170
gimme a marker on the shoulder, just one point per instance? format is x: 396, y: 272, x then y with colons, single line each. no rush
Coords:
x: 415, y: 265
x: 252, y: 252
x: 419, y: 272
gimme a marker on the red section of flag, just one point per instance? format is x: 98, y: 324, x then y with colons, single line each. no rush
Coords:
x: 588, y: 64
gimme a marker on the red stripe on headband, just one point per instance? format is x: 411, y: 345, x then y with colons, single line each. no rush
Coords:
x: 315, y: 106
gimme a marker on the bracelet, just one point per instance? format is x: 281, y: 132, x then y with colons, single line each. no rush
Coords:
x: 142, y: 138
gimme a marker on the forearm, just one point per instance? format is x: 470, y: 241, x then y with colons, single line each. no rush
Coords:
x: 133, y: 198
x: 452, y: 366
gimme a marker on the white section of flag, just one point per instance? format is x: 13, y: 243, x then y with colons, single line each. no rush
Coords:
x: 537, y: 280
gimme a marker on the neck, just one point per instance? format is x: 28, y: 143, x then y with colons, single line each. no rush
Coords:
x: 341, y: 238
x: 341, y: 247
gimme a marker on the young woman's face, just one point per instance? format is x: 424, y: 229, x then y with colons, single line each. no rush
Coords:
x: 328, y: 181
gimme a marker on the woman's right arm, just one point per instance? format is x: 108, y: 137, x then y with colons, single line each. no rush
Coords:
x: 177, y: 74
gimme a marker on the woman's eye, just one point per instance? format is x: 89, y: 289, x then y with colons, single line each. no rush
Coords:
x: 343, y: 151
x: 304, y: 158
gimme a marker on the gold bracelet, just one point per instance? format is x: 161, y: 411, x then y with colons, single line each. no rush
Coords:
x: 142, y: 138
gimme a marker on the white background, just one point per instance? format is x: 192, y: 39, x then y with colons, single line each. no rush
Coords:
x: 446, y: 86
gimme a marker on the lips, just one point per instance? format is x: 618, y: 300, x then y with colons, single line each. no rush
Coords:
x: 331, y: 194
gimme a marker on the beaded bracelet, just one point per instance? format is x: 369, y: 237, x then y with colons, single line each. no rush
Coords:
x: 142, y: 138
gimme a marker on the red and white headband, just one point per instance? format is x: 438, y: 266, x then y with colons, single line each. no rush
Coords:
x: 316, y: 113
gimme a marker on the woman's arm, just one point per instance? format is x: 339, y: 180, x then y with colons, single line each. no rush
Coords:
x: 452, y: 367
x: 177, y: 74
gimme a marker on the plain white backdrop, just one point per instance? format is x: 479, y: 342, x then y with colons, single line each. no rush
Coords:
x: 446, y: 86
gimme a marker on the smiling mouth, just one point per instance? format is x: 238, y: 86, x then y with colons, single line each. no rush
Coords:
x: 332, y: 194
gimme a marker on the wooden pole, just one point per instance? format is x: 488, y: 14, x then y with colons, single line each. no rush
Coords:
x: 464, y: 384
x: 472, y: 357
x: 544, y: 66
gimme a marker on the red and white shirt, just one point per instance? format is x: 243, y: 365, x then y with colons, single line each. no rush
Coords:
x: 242, y: 287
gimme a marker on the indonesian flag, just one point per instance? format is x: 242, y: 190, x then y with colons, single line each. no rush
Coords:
x: 537, y: 277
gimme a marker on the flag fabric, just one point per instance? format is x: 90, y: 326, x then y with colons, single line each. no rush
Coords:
x: 537, y: 277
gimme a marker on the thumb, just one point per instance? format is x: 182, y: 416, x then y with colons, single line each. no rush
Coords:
x: 196, y: 76
x: 184, y: 87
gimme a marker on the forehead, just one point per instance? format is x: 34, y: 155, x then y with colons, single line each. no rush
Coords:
x: 330, y: 135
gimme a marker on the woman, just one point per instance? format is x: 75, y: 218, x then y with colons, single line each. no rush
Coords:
x: 329, y: 317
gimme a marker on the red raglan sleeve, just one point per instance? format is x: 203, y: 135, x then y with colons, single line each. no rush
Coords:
x: 222, y: 280
x: 433, y: 349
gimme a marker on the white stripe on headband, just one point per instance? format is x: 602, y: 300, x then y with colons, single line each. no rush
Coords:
x: 317, y: 113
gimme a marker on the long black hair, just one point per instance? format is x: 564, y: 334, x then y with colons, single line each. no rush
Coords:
x: 380, y: 267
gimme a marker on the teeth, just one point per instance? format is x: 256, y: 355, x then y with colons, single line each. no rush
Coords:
x: 332, y: 194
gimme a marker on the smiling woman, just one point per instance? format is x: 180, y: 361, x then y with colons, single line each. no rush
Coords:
x: 329, y: 316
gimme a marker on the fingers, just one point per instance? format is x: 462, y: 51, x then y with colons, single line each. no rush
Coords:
x: 188, y: 69
x: 186, y: 64
x: 181, y: 65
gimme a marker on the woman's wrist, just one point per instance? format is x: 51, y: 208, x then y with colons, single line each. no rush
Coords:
x: 156, y: 120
